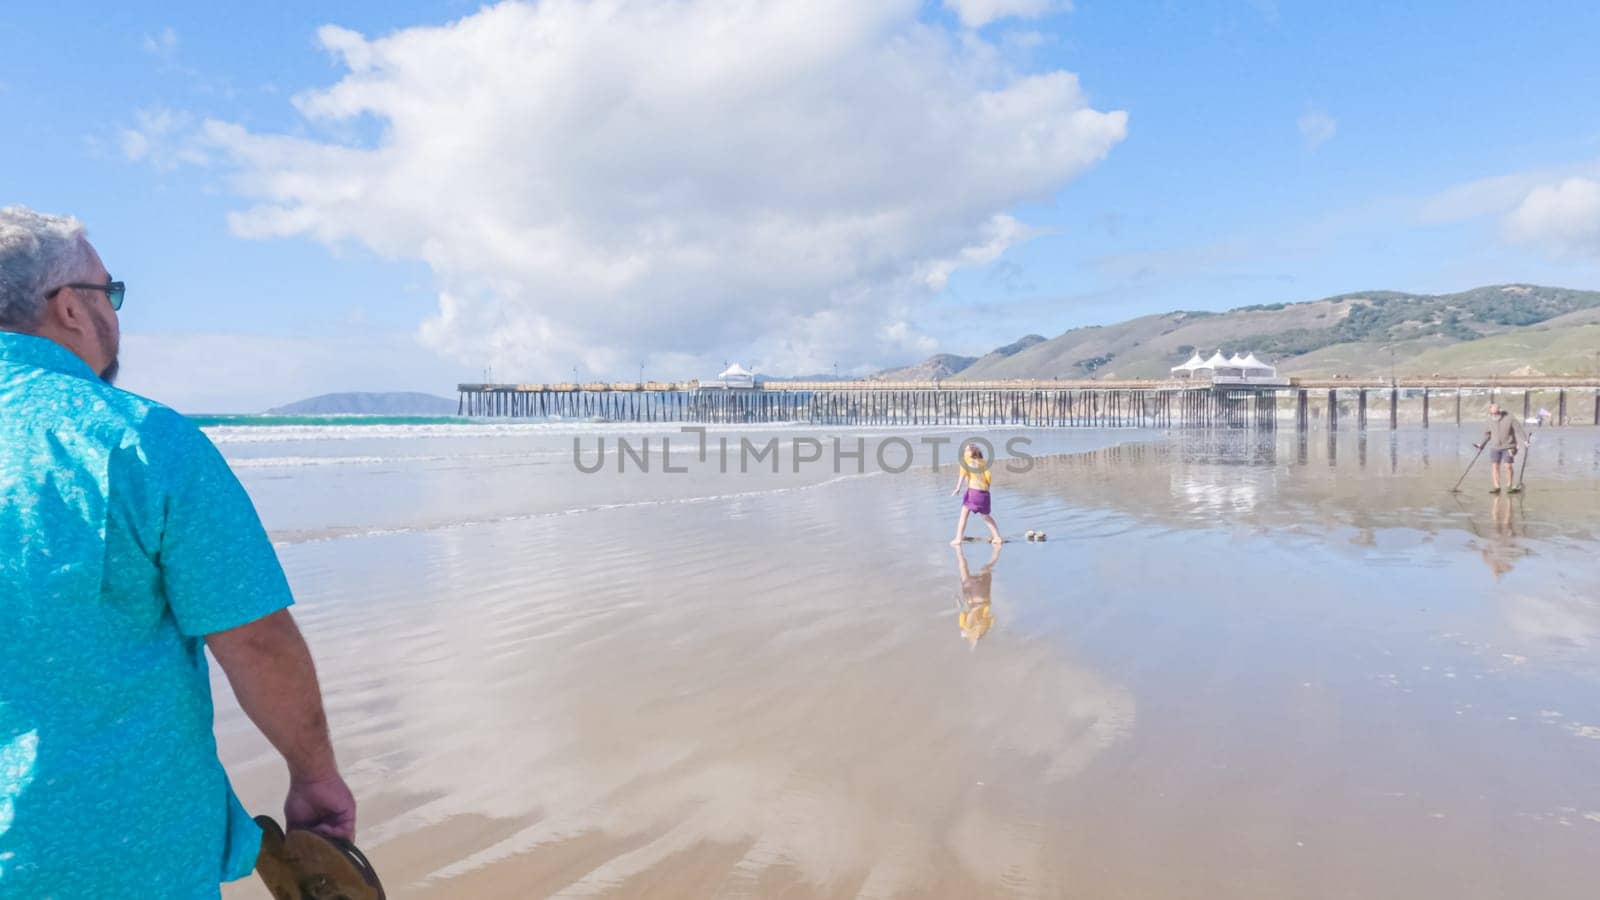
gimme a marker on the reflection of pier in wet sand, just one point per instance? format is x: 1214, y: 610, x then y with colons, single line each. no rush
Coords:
x: 1048, y: 404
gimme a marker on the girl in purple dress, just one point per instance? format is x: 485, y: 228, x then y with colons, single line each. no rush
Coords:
x: 975, y: 475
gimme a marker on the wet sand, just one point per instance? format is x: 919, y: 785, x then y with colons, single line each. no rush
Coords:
x: 1238, y: 668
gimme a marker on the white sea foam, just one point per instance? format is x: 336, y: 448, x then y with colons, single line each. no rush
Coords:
x: 291, y: 462
x: 294, y: 462
x: 269, y: 434
x: 286, y: 539
x: 266, y: 434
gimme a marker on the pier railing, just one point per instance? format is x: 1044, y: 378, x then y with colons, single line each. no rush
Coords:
x: 1163, y: 403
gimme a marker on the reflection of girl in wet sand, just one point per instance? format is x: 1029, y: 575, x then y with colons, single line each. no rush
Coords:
x: 976, y: 615
x: 976, y: 476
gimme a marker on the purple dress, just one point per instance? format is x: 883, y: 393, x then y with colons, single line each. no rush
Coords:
x: 976, y: 500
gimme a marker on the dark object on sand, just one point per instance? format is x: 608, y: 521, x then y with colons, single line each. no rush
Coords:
x: 1522, y: 470
x: 304, y: 865
x: 1457, y: 488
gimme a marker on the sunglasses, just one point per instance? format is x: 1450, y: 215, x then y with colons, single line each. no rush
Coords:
x: 114, y: 290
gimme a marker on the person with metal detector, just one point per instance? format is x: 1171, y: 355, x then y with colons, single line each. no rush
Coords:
x: 1505, y: 437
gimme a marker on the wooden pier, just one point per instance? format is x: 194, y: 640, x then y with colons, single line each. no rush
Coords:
x: 1045, y: 404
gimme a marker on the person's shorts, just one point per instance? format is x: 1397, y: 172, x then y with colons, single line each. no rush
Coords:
x: 1496, y: 457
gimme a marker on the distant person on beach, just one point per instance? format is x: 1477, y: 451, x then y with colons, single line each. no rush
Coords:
x: 1505, y: 438
x: 976, y: 477
x: 976, y: 614
x: 130, y: 549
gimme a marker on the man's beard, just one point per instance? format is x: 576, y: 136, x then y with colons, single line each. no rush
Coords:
x: 103, y: 331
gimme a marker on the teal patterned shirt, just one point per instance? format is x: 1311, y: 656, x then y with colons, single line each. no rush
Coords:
x: 126, y: 539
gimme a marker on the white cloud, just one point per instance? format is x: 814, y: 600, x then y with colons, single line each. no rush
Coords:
x: 1496, y: 195
x: 696, y: 180
x: 1317, y: 128
x: 1564, y: 217
x: 1023, y: 40
x: 978, y: 13
x: 162, y: 137
x: 904, y: 337
x: 162, y: 45
x: 1000, y: 234
x: 250, y: 373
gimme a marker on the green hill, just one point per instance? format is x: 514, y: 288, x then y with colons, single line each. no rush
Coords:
x: 1490, y: 330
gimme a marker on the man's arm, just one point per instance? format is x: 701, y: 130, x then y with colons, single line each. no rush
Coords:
x: 272, y: 674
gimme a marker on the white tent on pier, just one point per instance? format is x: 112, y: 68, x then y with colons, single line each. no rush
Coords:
x: 1187, y: 369
x: 1255, y: 368
x: 1212, y: 366
x: 734, y: 376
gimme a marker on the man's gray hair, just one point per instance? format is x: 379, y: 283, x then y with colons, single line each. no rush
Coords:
x: 38, y: 253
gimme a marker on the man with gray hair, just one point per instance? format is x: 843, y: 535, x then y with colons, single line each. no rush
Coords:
x: 131, y: 548
x: 1505, y: 438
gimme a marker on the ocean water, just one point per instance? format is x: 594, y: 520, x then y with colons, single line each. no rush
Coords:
x: 1243, y: 665
x: 322, y: 478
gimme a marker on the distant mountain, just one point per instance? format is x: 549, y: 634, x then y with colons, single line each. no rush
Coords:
x: 1485, y: 331
x: 1013, y: 348
x: 934, y: 368
x: 946, y: 365
x: 369, y: 404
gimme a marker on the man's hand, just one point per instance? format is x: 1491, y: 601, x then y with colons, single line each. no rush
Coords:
x: 276, y: 682
x: 326, y: 807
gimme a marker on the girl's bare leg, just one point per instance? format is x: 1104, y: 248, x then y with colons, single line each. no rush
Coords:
x: 961, y: 527
x: 994, y: 531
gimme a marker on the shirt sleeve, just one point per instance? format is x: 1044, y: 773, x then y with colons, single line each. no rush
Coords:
x: 218, y: 568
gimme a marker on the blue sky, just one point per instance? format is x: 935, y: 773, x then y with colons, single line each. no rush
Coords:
x: 1269, y: 152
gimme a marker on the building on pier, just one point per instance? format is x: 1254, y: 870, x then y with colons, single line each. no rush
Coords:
x: 1187, y: 370
x: 734, y: 377
x: 1211, y: 368
x: 1255, y: 368
x: 1247, y: 370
